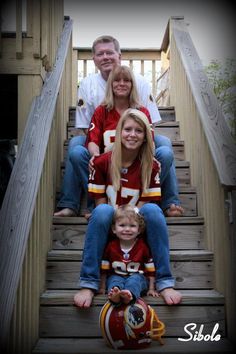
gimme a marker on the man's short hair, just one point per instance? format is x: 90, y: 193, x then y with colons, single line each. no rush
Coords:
x: 106, y: 39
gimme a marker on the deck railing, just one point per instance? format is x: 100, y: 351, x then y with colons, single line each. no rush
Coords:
x: 147, y: 62
x: 27, y: 209
x: 212, y: 153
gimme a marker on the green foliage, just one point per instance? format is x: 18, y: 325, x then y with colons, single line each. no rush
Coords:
x: 223, y: 80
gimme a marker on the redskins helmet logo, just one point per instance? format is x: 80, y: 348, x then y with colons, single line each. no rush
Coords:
x: 132, y: 326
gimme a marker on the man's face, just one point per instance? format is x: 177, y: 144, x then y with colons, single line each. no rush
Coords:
x: 106, y: 58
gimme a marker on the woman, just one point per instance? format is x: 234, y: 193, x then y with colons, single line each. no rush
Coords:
x: 126, y: 175
x: 121, y: 93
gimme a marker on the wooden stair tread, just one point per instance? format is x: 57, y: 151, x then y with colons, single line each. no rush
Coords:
x: 178, y: 164
x: 168, y: 124
x: 98, y: 345
x: 175, y: 255
x: 190, y: 297
x: 79, y: 220
x: 74, y: 322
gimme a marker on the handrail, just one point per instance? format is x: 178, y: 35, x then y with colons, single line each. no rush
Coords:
x: 19, y: 202
x: 221, y: 144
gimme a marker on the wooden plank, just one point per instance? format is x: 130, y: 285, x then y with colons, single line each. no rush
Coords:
x: 221, y: 144
x: 170, y: 220
x: 19, y: 44
x: 172, y: 132
x: 9, y: 64
x: 178, y: 148
x: 182, y: 173
x: 189, y: 297
x: 69, y: 321
x: 180, y: 236
x: 97, y: 345
x: 175, y: 255
x: 188, y: 274
x: 20, y: 198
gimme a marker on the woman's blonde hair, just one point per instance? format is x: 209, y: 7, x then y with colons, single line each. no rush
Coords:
x: 132, y: 213
x: 146, y: 150
x: 121, y: 71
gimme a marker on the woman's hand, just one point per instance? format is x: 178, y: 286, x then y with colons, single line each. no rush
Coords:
x: 91, y: 162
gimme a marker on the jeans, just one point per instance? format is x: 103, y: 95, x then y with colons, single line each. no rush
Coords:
x: 97, y: 236
x: 169, y: 186
x: 71, y: 186
x: 76, y: 174
x: 136, y: 283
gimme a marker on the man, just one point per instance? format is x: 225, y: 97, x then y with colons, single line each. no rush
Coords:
x: 106, y: 55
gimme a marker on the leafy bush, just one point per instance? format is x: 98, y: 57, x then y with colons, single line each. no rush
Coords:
x: 223, y: 80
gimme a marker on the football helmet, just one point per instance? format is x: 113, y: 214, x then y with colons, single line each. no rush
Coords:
x: 131, y: 326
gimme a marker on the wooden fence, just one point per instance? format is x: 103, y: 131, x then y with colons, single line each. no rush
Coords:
x: 212, y: 153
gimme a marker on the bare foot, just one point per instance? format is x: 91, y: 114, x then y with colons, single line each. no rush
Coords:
x: 114, y: 295
x: 153, y: 293
x: 84, y: 298
x: 171, y: 296
x: 174, y: 210
x: 126, y: 296
x: 65, y: 212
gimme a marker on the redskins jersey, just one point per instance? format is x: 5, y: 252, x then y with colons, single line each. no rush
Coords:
x: 131, y: 192
x: 137, y: 260
x: 91, y: 93
x: 102, y: 129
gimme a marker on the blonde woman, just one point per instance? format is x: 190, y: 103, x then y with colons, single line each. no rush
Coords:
x: 126, y: 175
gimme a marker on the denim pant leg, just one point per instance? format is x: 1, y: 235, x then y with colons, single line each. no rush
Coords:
x: 95, y: 240
x: 164, y: 154
x: 135, y: 283
x: 157, y: 239
x: 70, y: 194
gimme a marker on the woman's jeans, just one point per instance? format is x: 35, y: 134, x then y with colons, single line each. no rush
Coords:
x: 76, y: 174
x: 97, y: 236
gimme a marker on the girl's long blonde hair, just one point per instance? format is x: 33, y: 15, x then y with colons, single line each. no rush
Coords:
x: 146, y: 150
x: 121, y: 71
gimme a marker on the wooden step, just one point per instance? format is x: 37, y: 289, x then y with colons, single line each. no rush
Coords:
x: 98, y: 345
x: 167, y: 113
x: 69, y: 321
x: 187, y: 196
x: 181, y: 236
x: 169, y: 129
x: 178, y: 148
x: 190, y: 297
x: 182, y: 172
x: 192, y: 269
x: 79, y: 220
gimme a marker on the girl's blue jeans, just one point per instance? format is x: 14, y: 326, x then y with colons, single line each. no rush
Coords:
x: 136, y: 283
x: 97, y: 236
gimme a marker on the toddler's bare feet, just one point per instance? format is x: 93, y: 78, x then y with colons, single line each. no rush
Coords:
x: 65, y: 212
x: 171, y: 296
x: 126, y: 296
x: 114, y: 295
x: 153, y: 293
x: 84, y: 298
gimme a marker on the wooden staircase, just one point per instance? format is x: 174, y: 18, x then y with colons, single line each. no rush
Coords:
x: 67, y: 329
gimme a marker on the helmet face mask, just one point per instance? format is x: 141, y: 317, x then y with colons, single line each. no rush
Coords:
x: 132, y: 326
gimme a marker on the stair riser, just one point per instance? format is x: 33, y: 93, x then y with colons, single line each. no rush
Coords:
x: 180, y: 236
x: 171, y: 132
x: 189, y: 274
x: 166, y: 115
x: 188, y: 202
x: 73, y: 322
x: 178, y: 152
